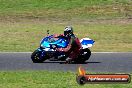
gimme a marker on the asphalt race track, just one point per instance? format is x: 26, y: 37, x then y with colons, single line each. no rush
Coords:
x: 98, y: 62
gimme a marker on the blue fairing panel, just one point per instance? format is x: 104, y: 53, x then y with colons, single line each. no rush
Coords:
x: 85, y: 42
x: 50, y: 40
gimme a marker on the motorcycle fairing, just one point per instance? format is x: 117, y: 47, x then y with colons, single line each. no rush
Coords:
x: 86, y: 42
x: 50, y: 40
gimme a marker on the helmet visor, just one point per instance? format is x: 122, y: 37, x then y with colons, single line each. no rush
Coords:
x: 66, y: 33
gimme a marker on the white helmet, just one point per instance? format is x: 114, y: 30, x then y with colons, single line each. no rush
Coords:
x: 68, y: 31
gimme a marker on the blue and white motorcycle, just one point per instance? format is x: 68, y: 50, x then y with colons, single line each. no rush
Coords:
x: 47, y: 50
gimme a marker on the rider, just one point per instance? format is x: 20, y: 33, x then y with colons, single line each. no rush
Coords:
x: 74, y: 45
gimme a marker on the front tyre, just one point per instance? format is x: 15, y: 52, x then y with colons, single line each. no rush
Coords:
x: 36, y: 57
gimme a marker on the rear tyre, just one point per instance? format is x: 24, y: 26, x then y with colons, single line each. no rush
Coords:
x: 85, y: 55
x: 36, y: 57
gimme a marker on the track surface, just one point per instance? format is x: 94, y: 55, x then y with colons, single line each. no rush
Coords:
x: 98, y: 62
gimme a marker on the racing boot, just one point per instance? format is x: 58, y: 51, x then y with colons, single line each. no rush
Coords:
x: 68, y: 60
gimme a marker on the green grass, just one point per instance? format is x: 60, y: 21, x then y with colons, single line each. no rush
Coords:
x: 24, y: 22
x: 46, y: 79
x: 20, y: 36
x: 66, y: 9
x: 22, y: 5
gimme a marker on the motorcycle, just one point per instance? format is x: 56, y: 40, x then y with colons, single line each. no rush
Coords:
x: 48, y: 45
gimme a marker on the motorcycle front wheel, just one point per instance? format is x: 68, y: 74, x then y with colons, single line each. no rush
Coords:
x: 36, y: 57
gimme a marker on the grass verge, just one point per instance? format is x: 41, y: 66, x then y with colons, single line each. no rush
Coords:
x: 21, y: 36
x: 65, y: 9
x: 24, y: 22
x: 46, y: 79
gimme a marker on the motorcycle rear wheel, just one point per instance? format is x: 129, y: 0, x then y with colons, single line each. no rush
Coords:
x: 85, y: 55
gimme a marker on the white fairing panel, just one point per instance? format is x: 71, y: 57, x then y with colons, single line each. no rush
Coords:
x: 86, y: 43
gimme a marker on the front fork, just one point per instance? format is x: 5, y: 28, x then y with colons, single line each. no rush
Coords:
x: 43, y: 54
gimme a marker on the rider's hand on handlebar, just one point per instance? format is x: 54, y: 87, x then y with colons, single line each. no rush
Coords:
x: 59, y: 49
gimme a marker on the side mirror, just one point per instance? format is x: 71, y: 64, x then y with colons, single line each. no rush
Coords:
x: 47, y: 32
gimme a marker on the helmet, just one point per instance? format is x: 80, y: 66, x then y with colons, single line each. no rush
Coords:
x: 68, y: 31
